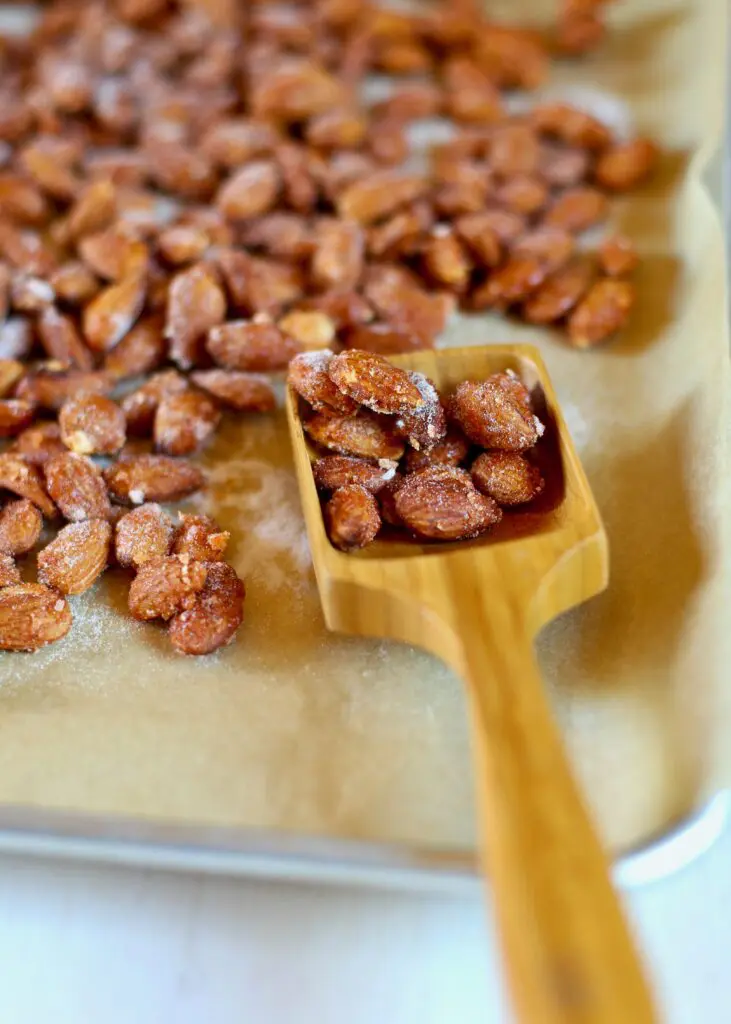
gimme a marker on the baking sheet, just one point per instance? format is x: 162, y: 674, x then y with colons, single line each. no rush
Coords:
x: 303, y: 734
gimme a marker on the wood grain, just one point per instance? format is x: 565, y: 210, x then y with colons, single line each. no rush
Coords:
x: 478, y: 605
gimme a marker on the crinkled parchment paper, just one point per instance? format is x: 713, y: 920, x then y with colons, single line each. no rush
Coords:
x: 299, y: 730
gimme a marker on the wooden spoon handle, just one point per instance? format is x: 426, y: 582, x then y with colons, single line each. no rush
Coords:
x: 570, y: 956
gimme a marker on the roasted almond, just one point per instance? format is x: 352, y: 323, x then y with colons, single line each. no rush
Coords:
x: 32, y: 616
x: 76, y: 557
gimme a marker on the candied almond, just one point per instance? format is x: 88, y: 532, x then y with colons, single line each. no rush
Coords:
x: 334, y: 471
x: 214, y: 616
x: 337, y: 258
x: 136, y: 479
x: 244, y: 392
x: 371, y: 380
x: 513, y: 149
x: 140, y: 351
x: 577, y: 209
x: 570, y: 125
x: 450, y: 451
x: 312, y: 329
x: 182, y: 243
x: 9, y: 571
x: 618, y: 256
x: 30, y: 294
x: 524, y: 194
x: 76, y: 557
x: 375, y: 197
x: 507, y: 477
x: 20, y: 527
x: 21, y: 477
x: 143, y: 533
x: 251, y: 345
x: 282, y: 234
x: 490, y: 415
x: 562, y: 166
x: 345, y: 309
x: 49, y: 389
x: 11, y: 370
x: 15, y: 416
x: 352, y: 517
x: 445, y: 260
x: 383, y: 339
x: 113, y: 312
x: 164, y: 586
x: 94, y: 210
x: 512, y: 282
x: 39, y: 442
x: 74, y: 283
x: 250, y: 191
x: 308, y: 375
x: 426, y: 426
x: 199, y: 537
x: 471, y: 95
x: 626, y: 165
x: 480, y: 238
x: 111, y: 253
x: 364, y: 435
x: 196, y: 303
x: 397, y: 296
x: 184, y: 421
x: 92, y: 425
x: 442, y: 503
x: 552, y: 246
x: 139, y: 406
x: 559, y: 293
x: 32, y: 616
x: 295, y: 89
x: 61, y: 340
x: 77, y: 487
x: 603, y: 311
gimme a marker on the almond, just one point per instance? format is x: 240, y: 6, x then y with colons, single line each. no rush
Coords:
x: 77, y: 487
x: 164, y: 586
x: 77, y: 556
x: 214, y: 616
x: 32, y: 616
x: 143, y: 534
x: 20, y: 527
x: 139, y: 478
x: 20, y: 477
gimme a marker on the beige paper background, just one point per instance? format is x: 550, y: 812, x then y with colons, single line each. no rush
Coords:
x: 298, y: 730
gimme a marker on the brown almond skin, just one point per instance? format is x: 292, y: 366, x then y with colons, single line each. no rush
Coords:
x: 244, y: 392
x: 92, y: 425
x: 199, y: 537
x: 442, y: 503
x: 77, y: 487
x: 31, y: 617
x: 50, y: 389
x: 9, y: 571
x: 335, y: 471
x: 196, y: 303
x: 20, y: 527
x: 362, y: 435
x: 450, y: 451
x: 507, y: 477
x: 352, y: 518
x: 76, y: 557
x: 40, y: 442
x: 490, y: 416
x: 371, y: 380
x: 184, y: 422
x: 141, y: 478
x: 164, y: 586
x: 141, y: 535
x: 214, y: 616
x: 140, y: 351
x: 251, y: 346
x: 139, y: 407
x: 21, y: 477
x: 308, y: 376
x: 15, y: 416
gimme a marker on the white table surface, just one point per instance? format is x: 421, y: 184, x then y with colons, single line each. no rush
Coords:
x: 88, y: 944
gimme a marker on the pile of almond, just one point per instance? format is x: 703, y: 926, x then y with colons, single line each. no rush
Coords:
x: 392, y: 451
x: 192, y: 193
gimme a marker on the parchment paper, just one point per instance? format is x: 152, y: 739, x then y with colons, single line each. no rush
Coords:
x: 299, y: 730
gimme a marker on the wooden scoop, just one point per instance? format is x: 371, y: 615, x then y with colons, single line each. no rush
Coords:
x: 478, y: 605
